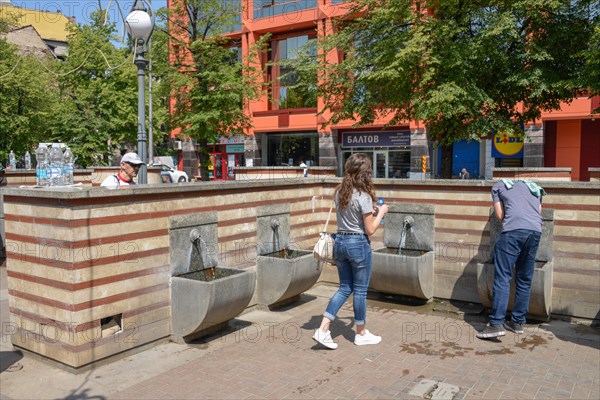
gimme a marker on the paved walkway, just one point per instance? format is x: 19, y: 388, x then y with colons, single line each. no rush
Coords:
x: 427, y: 352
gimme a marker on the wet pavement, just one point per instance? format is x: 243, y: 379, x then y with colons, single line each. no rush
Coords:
x: 428, y: 351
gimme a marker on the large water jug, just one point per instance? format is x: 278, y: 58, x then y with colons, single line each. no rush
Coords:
x: 41, y: 169
x: 12, y: 161
x: 56, y: 165
x: 68, y: 161
x: 27, y: 159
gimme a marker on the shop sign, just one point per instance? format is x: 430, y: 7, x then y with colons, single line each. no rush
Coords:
x: 508, y: 145
x: 376, y: 139
x: 230, y: 139
x: 234, y: 148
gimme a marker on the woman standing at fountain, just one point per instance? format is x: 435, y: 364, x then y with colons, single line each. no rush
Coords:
x: 357, y: 220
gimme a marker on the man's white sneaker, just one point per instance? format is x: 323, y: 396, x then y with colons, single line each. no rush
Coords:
x: 367, y: 338
x: 325, y: 339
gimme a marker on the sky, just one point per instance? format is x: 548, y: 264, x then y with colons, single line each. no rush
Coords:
x: 81, y: 9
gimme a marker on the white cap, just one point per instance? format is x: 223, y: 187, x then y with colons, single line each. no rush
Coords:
x: 132, y: 158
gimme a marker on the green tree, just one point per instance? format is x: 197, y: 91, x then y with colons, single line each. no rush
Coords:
x: 27, y: 100
x: 590, y: 74
x: 466, y: 69
x: 98, y: 90
x: 208, y: 85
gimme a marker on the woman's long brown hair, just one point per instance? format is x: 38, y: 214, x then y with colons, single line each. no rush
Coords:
x: 358, y: 175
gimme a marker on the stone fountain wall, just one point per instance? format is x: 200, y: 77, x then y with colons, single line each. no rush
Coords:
x: 180, y: 228
x: 79, y: 260
x: 265, y: 232
x: 89, y: 270
x: 420, y: 235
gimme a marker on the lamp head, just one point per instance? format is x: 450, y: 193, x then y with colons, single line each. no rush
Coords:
x: 139, y: 23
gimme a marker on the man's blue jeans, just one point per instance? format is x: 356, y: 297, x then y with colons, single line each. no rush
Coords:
x: 514, y: 248
x: 352, y: 255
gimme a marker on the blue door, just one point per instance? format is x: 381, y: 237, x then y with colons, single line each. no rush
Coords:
x: 465, y: 155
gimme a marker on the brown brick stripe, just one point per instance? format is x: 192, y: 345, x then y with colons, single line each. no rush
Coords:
x: 88, y: 304
x: 133, y: 257
x: 87, y: 284
x: 77, y: 244
x: 86, y: 325
x: 127, y: 336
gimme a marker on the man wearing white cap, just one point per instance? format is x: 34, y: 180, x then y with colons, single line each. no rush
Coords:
x: 130, y: 165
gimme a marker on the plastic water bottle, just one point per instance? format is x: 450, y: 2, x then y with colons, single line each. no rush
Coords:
x: 380, y: 203
x: 68, y: 167
x: 41, y: 168
x: 27, y: 160
x: 12, y: 161
x: 56, y: 165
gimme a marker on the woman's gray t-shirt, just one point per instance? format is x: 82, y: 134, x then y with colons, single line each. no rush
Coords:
x: 350, y: 219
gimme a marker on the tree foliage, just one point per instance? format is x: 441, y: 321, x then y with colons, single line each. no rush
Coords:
x: 208, y: 84
x: 88, y: 100
x: 464, y: 68
x: 98, y: 90
x: 590, y: 74
x: 26, y: 101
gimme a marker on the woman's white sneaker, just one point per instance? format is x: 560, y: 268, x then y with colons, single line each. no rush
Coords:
x: 367, y: 338
x: 325, y: 339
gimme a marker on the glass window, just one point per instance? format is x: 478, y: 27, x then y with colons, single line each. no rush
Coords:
x: 270, y: 8
x: 286, y: 92
x: 290, y: 149
x: 398, y: 161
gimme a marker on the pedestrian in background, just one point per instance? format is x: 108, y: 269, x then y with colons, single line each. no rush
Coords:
x: 519, y: 206
x: 129, y: 167
x: 464, y: 174
x: 356, y: 220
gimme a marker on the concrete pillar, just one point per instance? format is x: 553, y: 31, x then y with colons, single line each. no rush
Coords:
x: 534, y: 146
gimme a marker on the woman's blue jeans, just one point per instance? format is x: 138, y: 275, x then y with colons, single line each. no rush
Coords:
x: 514, y: 248
x: 352, y: 255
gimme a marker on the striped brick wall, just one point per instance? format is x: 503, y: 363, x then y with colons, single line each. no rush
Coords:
x: 462, y: 238
x: 76, y: 259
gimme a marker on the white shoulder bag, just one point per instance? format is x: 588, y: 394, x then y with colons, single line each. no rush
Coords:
x: 323, y: 251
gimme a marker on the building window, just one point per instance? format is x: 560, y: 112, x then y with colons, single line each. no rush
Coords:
x: 290, y: 149
x: 387, y: 162
x: 285, y: 92
x: 271, y: 8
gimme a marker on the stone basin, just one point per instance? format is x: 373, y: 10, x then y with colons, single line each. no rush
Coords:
x: 282, y: 276
x: 283, y: 271
x: 409, y: 273
x: 201, y: 305
x: 540, y: 300
x: 204, y: 295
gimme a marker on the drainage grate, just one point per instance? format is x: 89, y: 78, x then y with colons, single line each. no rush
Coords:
x: 434, y: 390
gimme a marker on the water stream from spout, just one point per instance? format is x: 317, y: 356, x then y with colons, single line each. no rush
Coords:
x: 200, y: 245
x: 276, y: 240
x: 406, y: 225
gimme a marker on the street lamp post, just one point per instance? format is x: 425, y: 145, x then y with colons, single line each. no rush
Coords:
x: 139, y: 25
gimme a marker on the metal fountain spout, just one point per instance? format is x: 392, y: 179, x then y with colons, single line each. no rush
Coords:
x: 407, y: 223
x: 195, y: 235
x: 274, y: 224
x: 275, y: 227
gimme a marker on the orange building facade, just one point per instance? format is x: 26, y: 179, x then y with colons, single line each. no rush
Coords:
x: 287, y: 129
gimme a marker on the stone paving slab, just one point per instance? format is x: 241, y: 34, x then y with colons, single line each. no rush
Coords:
x: 271, y: 355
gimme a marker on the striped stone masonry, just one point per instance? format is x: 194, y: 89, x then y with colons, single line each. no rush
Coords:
x: 89, y: 270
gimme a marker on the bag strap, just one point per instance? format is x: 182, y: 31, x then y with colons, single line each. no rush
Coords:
x: 329, y: 215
